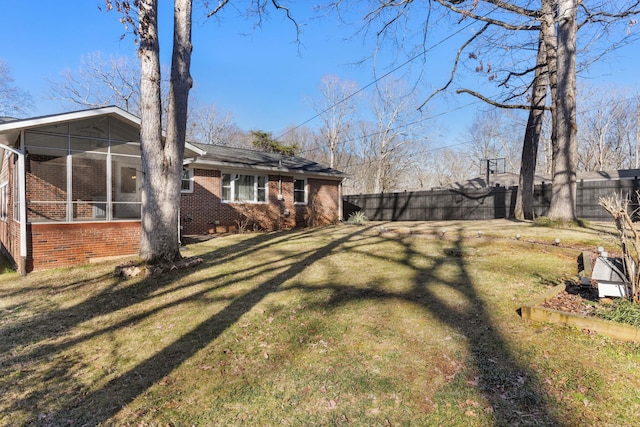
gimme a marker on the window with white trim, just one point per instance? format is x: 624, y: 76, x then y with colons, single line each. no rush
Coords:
x: 187, y: 181
x: 300, y: 191
x: 244, y: 188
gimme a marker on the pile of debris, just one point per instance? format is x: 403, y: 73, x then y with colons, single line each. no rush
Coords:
x: 608, y: 274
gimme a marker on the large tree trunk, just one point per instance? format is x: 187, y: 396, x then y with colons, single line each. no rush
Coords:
x: 162, y: 160
x: 524, y: 198
x: 548, y: 27
x: 565, y: 152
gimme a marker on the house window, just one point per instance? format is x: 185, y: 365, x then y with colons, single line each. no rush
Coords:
x: 299, y: 191
x: 187, y: 181
x: 244, y: 188
x: 4, y: 201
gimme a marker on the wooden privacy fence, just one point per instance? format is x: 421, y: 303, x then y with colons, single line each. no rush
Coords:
x: 484, y: 203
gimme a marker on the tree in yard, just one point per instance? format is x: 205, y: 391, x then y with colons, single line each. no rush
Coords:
x: 336, y: 108
x: 13, y: 101
x: 264, y: 142
x: 162, y: 158
x: 208, y: 125
x: 394, y: 123
x: 565, y: 149
x: 606, y: 129
x: 100, y: 82
x: 507, y: 33
x: 532, y: 135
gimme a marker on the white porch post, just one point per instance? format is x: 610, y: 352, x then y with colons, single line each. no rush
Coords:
x: 22, y: 187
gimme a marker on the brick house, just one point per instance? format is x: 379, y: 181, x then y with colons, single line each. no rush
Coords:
x: 70, y: 189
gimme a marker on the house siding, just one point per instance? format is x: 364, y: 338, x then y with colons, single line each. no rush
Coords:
x: 203, y: 211
x: 323, y: 207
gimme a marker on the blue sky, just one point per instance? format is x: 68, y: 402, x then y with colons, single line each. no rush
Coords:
x: 259, y: 75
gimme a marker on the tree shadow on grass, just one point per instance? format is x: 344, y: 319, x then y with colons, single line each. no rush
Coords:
x: 512, y: 389
x: 116, y: 294
x: 82, y: 407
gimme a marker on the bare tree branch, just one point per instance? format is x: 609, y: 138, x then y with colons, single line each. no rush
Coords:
x: 455, y: 64
x: 278, y: 6
x: 501, y: 105
x: 221, y: 4
x: 485, y: 18
x: 13, y: 101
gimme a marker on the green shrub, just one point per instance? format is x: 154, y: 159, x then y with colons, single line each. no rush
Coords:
x: 357, y: 218
x: 5, y: 265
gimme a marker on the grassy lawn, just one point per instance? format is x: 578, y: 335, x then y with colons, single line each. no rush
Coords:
x: 333, y: 326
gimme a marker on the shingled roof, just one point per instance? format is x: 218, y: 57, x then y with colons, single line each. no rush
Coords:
x: 511, y: 179
x: 242, y: 158
x: 507, y: 179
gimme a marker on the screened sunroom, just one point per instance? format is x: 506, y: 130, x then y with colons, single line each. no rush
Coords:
x: 70, y: 187
x: 82, y: 170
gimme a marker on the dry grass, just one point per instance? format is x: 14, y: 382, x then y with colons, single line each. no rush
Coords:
x: 342, y: 325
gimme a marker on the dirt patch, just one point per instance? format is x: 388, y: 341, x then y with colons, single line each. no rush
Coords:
x: 575, y: 299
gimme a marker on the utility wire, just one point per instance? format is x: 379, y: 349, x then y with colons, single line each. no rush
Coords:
x: 442, y: 147
x: 355, y: 138
x: 413, y: 58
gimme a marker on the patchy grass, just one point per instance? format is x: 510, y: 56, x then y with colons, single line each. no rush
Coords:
x: 340, y: 325
x: 544, y: 221
x: 620, y: 310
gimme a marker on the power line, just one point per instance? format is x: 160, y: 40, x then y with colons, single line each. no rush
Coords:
x: 398, y: 127
x: 442, y: 147
x: 413, y: 58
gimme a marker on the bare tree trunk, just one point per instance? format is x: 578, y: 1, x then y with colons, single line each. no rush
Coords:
x: 150, y: 122
x: 563, y: 198
x: 162, y: 160
x: 524, y: 198
x: 548, y: 27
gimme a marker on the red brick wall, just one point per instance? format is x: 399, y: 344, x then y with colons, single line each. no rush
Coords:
x: 203, y: 211
x: 63, y: 245
x: 47, y: 182
x: 323, y: 205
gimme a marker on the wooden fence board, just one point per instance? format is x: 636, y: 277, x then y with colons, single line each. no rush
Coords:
x: 485, y: 203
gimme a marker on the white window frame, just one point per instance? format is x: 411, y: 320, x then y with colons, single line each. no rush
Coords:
x: 297, y: 191
x: 189, y: 178
x: 235, y: 177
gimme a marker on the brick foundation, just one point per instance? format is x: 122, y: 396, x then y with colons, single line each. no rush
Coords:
x: 63, y: 245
